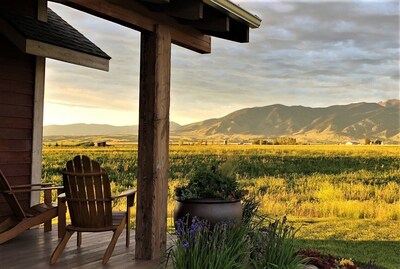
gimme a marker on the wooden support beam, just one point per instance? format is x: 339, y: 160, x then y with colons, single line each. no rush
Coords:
x: 38, y: 48
x: 237, y: 32
x: 135, y: 15
x: 218, y: 24
x: 157, y: 1
x: 152, y: 185
x: 187, y: 9
x: 38, y: 106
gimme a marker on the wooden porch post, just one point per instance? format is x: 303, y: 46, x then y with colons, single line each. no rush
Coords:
x: 152, y: 185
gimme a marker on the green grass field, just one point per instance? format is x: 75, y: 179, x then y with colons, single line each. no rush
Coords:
x: 345, y: 198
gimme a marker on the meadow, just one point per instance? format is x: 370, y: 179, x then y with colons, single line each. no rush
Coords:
x: 344, y: 199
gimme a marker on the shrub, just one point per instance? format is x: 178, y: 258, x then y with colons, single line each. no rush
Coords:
x: 197, y: 246
x: 211, y: 183
x: 256, y: 243
x: 273, y: 247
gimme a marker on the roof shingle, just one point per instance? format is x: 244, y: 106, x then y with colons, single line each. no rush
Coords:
x: 55, y: 31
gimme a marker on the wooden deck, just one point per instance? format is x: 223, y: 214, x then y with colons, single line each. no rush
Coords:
x: 33, y: 248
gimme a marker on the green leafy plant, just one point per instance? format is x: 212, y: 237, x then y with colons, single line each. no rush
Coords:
x: 274, y: 247
x: 211, y: 183
x: 255, y: 243
x: 197, y: 246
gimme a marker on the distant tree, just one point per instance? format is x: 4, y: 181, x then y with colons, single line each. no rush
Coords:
x: 259, y: 142
x: 285, y: 141
x: 367, y: 141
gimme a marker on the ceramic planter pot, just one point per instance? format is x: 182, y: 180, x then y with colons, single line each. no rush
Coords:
x: 212, y: 210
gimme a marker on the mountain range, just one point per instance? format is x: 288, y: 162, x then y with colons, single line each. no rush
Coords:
x: 334, y: 123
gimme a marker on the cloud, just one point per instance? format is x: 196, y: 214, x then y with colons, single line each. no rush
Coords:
x: 311, y: 53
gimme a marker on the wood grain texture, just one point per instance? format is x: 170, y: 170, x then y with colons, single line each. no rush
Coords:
x: 88, y: 195
x: 35, y: 247
x: 25, y: 218
x: 10, y: 122
x: 153, y: 149
x: 134, y: 15
x: 12, y: 98
x: 38, y: 108
x: 17, y: 76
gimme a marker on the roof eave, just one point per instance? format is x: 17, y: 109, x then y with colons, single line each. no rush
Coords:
x: 43, y: 49
x: 235, y: 12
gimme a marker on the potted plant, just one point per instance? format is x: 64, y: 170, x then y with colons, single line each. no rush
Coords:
x: 212, y: 194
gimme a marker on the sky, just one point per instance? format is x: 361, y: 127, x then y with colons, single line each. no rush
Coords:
x: 309, y: 53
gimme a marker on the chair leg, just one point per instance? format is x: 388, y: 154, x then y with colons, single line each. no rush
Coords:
x: 60, y: 248
x: 78, y: 239
x: 47, y: 201
x: 61, y: 212
x: 128, y: 230
x: 114, y: 239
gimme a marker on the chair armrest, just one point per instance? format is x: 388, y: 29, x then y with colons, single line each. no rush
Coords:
x: 124, y: 194
x: 130, y: 197
x: 27, y: 186
x: 39, y: 189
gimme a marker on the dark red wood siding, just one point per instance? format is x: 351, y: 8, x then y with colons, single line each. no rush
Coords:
x: 17, y: 80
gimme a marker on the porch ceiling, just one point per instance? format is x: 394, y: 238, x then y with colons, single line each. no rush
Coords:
x: 191, y: 22
x: 219, y: 18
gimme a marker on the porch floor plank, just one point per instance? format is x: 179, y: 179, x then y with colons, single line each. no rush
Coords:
x: 33, y: 248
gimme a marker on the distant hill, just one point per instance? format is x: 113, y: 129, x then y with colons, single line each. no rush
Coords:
x: 334, y: 123
x: 331, y: 124
x: 82, y: 129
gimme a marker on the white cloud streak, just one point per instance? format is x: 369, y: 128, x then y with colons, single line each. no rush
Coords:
x: 310, y: 53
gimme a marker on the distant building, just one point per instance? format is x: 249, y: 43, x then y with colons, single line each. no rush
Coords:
x: 353, y: 143
x: 376, y: 142
x: 102, y: 144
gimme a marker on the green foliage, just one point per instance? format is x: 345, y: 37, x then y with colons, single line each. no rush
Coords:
x: 383, y: 253
x: 210, y: 183
x: 248, y: 245
x: 285, y: 141
x: 197, y: 246
x: 357, y: 188
x: 274, y: 247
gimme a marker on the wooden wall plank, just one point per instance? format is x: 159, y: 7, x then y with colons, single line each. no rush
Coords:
x: 14, y: 111
x: 17, y: 76
x: 15, y: 145
x: 10, y: 122
x: 11, y: 98
x: 15, y: 157
x: 6, y: 133
x: 152, y: 185
x: 14, y: 170
x: 14, y: 86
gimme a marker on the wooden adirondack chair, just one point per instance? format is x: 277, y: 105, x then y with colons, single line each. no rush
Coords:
x: 22, y: 220
x: 88, y: 196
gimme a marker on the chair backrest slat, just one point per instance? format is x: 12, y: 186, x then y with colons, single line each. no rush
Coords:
x: 88, y: 193
x: 81, y: 191
x: 10, y: 198
x: 89, y: 184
